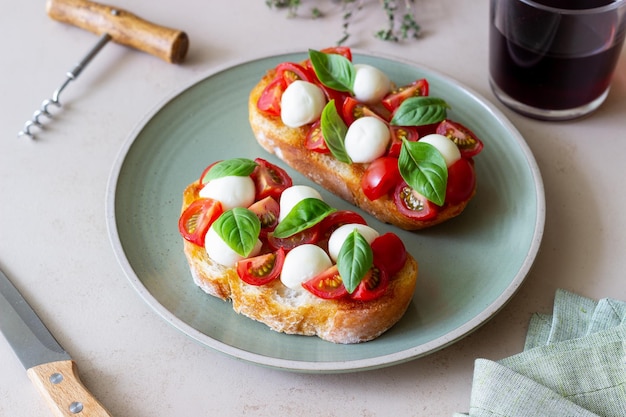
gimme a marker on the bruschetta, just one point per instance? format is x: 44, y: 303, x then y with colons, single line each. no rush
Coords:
x: 284, y: 257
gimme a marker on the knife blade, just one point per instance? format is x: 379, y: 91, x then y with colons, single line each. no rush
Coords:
x: 47, y: 364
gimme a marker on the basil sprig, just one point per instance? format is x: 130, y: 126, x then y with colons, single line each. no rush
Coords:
x: 420, y: 111
x: 333, y: 70
x: 239, y: 228
x: 237, y: 167
x: 306, y: 213
x: 424, y: 169
x: 354, y: 260
x: 334, y: 131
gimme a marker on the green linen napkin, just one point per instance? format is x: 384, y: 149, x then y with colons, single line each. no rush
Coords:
x: 573, y: 365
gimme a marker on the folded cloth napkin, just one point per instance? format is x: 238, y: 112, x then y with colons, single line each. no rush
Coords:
x: 573, y: 365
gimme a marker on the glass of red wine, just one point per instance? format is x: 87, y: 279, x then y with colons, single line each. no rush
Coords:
x: 554, y: 59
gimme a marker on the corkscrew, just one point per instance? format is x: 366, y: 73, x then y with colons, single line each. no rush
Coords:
x: 112, y: 24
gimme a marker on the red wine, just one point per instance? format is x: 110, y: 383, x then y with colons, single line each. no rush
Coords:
x: 554, y: 63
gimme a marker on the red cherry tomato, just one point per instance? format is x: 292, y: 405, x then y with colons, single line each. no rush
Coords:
x: 380, y: 177
x: 269, y: 101
x: 337, y: 219
x: 327, y: 285
x: 412, y: 204
x: 373, y: 285
x: 461, y: 181
x: 398, y: 133
x: 417, y: 88
x: 270, y: 180
x: 315, y: 140
x: 267, y: 210
x: 465, y: 139
x: 389, y: 253
x: 353, y: 109
x: 201, y: 181
x: 290, y: 72
x: 262, y: 269
x: 195, y: 221
x: 310, y: 235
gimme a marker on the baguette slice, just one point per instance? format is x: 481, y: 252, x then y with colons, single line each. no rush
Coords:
x: 299, y: 312
x: 341, y: 179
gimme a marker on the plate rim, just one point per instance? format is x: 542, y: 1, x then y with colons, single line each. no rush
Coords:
x: 376, y: 362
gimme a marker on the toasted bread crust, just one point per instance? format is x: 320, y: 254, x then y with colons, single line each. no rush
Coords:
x: 343, y: 180
x: 299, y: 312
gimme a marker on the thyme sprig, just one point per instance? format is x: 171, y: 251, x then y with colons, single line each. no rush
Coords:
x: 401, y: 22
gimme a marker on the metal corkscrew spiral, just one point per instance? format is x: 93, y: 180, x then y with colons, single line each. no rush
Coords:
x: 112, y: 24
x: 44, y: 110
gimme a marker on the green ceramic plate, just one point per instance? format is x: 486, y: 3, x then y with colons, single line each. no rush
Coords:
x: 469, y: 267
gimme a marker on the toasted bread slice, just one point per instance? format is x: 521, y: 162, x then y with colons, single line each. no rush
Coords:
x: 298, y: 311
x: 341, y: 179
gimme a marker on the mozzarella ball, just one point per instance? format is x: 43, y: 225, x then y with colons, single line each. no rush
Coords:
x: 302, y: 103
x: 303, y: 263
x: 445, y: 146
x: 231, y: 191
x: 338, y: 237
x: 367, y: 139
x: 220, y: 252
x: 293, y: 195
x: 370, y: 84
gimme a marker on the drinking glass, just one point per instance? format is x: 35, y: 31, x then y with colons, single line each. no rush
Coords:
x: 554, y: 59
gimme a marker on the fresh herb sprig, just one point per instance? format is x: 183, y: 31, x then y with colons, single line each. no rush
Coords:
x: 401, y: 21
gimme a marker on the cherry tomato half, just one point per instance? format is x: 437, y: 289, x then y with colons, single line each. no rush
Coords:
x: 269, y: 100
x: 267, y: 210
x: 372, y: 286
x: 389, y: 253
x: 310, y: 235
x: 262, y: 269
x: 461, y: 181
x: 353, y: 109
x: 465, y: 139
x: 195, y: 221
x: 337, y: 219
x: 327, y: 285
x: 315, y: 139
x: 270, y: 180
x: 398, y: 133
x: 412, y: 204
x: 290, y: 72
x: 380, y: 177
x: 417, y: 88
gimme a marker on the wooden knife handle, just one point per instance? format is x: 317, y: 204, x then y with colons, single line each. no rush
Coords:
x: 65, y: 394
x: 124, y: 27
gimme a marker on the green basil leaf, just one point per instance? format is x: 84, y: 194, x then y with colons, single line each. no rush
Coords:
x: 424, y: 169
x: 308, y: 212
x: 333, y: 70
x: 239, y: 228
x: 237, y: 167
x: 334, y: 132
x: 419, y: 111
x: 354, y: 260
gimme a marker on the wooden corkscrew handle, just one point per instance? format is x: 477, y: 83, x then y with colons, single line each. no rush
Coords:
x: 123, y: 27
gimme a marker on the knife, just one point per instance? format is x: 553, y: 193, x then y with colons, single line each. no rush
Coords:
x: 48, y: 365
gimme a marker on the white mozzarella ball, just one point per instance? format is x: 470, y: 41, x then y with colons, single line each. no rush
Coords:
x: 303, y: 263
x: 302, y: 103
x: 231, y: 191
x: 220, y: 252
x: 445, y: 146
x: 293, y: 195
x: 370, y: 84
x: 338, y: 237
x: 367, y: 139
